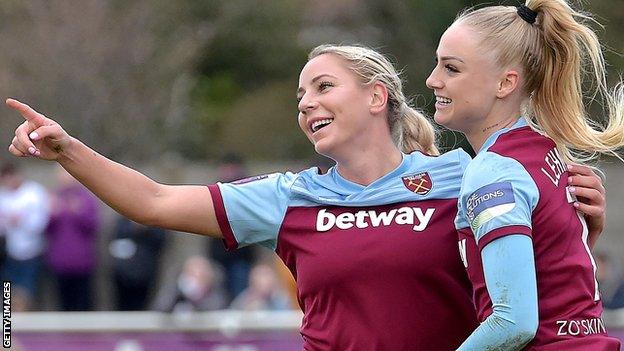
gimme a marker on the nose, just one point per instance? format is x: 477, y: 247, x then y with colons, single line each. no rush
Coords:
x: 432, y: 81
x: 306, y: 104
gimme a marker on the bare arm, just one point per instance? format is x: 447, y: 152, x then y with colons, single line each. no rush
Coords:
x: 185, y: 208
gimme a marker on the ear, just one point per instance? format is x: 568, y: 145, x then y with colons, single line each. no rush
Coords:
x: 507, y: 84
x: 378, y: 98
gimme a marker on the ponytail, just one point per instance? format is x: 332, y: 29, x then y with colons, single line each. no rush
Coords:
x: 557, y: 101
x: 415, y: 132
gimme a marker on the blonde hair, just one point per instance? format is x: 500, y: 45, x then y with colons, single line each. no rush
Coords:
x: 410, y: 129
x: 557, y: 53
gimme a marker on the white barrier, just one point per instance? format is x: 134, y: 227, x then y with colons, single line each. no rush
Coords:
x: 226, y: 321
x: 220, y: 321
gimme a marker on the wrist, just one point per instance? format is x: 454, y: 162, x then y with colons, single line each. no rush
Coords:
x: 66, y: 153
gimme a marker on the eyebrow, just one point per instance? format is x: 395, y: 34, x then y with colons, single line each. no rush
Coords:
x: 447, y: 58
x: 301, y: 90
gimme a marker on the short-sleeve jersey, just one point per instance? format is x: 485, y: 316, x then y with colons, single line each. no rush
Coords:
x: 517, y: 184
x: 377, y: 266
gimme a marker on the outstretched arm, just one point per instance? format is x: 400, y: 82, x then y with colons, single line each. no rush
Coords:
x: 185, y: 208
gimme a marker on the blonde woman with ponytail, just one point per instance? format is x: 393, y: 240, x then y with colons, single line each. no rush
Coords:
x: 510, y: 79
x: 371, y: 243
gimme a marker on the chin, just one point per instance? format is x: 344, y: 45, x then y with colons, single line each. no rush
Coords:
x: 442, y: 119
x: 446, y: 120
x: 322, y: 147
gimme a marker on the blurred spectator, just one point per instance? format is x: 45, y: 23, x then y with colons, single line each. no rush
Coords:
x: 24, y: 214
x: 237, y: 263
x: 197, y: 288
x: 610, y: 277
x: 136, y: 251
x: 265, y: 291
x: 71, y: 235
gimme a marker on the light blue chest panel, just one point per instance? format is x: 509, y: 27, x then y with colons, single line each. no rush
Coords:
x: 256, y: 209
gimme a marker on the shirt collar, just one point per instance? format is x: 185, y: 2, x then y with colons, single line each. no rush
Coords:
x: 521, y: 122
x: 352, y: 186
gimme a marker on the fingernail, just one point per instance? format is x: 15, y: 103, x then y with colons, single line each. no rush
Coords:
x: 32, y: 150
x: 37, y: 153
x: 34, y: 136
x: 572, y: 189
x: 576, y: 204
x: 570, y: 167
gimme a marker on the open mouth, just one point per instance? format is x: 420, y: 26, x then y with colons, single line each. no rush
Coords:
x: 318, y: 125
x: 444, y: 101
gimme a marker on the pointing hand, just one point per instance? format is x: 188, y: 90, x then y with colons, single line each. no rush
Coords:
x: 38, y: 136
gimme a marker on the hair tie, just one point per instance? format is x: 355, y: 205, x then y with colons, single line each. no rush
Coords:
x: 526, y: 14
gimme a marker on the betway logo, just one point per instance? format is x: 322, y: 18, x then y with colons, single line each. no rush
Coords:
x: 413, y: 216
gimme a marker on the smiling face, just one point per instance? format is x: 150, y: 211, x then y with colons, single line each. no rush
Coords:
x: 465, y: 80
x: 333, y: 105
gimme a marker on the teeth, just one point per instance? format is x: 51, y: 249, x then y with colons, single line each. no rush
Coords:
x: 321, y: 123
x: 443, y: 100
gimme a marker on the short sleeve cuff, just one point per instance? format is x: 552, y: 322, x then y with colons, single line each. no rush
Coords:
x: 229, y: 240
x: 501, y: 232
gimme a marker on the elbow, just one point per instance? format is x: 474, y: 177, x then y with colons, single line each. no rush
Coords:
x: 150, y: 217
x: 525, y: 335
x: 149, y: 221
x: 525, y: 331
x: 148, y: 212
x: 515, y: 332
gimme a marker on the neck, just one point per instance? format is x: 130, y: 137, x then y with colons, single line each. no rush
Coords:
x: 366, y: 166
x: 492, y: 124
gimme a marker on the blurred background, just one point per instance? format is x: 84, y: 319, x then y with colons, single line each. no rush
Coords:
x: 192, y: 91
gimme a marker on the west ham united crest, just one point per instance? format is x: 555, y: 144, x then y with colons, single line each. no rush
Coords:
x: 418, y: 183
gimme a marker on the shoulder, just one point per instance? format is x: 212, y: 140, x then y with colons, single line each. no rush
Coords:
x: 521, y: 144
x: 275, y: 181
x: 488, y: 167
x: 492, y: 180
x: 488, y: 161
x: 443, y: 173
x: 455, y: 160
x: 456, y: 155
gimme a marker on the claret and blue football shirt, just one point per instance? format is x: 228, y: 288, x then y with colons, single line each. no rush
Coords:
x: 517, y: 184
x: 377, y: 266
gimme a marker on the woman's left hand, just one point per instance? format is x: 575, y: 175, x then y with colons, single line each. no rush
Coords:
x: 587, y: 186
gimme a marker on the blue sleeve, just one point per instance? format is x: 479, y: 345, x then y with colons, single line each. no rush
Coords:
x: 509, y: 268
x: 460, y: 219
x: 497, y: 193
x: 253, y: 209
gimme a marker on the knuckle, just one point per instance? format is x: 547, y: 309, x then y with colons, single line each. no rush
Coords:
x: 595, y: 181
x: 596, y: 193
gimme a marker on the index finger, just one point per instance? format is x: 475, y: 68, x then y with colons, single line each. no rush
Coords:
x: 26, y: 111
x: 582, y: 170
